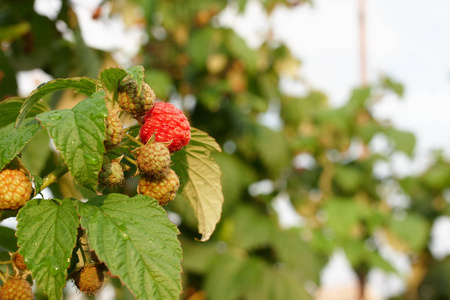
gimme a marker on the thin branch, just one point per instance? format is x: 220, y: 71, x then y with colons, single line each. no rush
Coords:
x: 134, y: 139
x: 53, y: 177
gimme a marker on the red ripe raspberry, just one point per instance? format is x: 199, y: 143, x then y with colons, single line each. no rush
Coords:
x: 15, y: 189
x: 16, y: 289
x: 164, y: 189
x: 169, y: 125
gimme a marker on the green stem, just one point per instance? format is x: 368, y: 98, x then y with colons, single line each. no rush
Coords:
x: 134, y: 139
x: 53, y: 177
x: 2, y: 277
x: 130, y: 160
x: 5, y: 262
x: 131, y: 128
x: 84, y: 247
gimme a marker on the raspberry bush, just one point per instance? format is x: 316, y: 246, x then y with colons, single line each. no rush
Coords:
x: 121, y: 181
x: 280, y: 149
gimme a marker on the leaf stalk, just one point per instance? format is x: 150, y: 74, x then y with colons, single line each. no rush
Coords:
x: 53, y: 177
x: 134, y: 139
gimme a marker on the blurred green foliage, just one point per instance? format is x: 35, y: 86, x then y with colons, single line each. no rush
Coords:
x: 338, y: 195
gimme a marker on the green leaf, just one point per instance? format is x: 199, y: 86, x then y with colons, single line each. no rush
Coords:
x: 394, y: 86
x: 272, y: 148
x: 348, y: 178
x: 197, y: 256
x: 83, y: 85
x: 11, y: 144
x: 234, y: 276
x: 297, y: 255
x: 355, y: 251
x: 220, y: 282
x: 10, y: 109
x: 47, y: 232
x: 137, y: 74
x: 12, y: 32
x: 200, y: 46
x: 413, y: 230
x: 110, y: 78
x: 375, y: 260
x: 359, y: 97
x: 8, y: 84
x: 137, y: 241
x: 437, y: 177
x: 200, y: 179
x: 159, y: 81
x: 38, y: 182
x: 280, y: 284
x: 258, y: 231
x: 8, y: 241
x: 436, y: 279
x: 344, y: 215
x: 241, y: 50
x: 295, y: 110
x: 237, y: 175
x: 367, y: 131
x: 79, y: 134
x: 404, y: 141
x: 36, y: 152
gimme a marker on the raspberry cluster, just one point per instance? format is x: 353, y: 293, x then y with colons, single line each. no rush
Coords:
x: 170, y: 129
x: 164, y: 130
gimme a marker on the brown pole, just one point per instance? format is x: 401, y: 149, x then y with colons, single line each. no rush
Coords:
x: 362, y: 42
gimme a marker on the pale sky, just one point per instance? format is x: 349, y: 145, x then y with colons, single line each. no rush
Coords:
x: 407, y: 39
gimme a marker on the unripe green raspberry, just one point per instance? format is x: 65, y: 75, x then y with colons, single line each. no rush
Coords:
x: 131, y: 103
x: 154, y: 159
x: 15, y: 189
x: 164, y: 189
x: 111, y: 174
x: 114, y: 129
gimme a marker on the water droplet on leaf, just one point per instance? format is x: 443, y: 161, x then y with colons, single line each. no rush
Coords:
x: 55, y: 116
x: 54, y: 271
x: 90, y: 159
